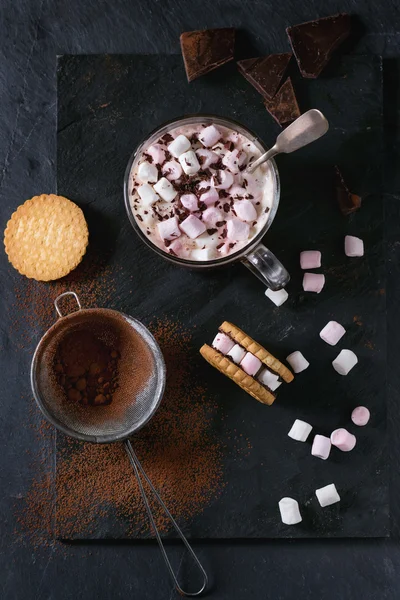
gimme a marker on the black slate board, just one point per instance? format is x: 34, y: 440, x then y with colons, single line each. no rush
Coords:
x: 106, y: 105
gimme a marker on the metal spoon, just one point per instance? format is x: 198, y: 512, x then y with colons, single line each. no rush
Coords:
x: 306, y: 129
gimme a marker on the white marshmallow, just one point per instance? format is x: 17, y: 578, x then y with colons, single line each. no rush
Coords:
x: 206, y: 158
x: 313, y: 282
x: 343, y: 439
x: 223, y: 343
x: 344, y: 362
x: 237, y: 230
x: 237, y: 353
x: 321, y: 447
x: 180, y: 145
x: 234, y: 160
x: 353, y: 246
x: 169, y: 229
x: 290, y: 512
x: 165, y: 189
x: 147, y: 194
x: 172, y: 170
x: 360, y: 416
x: 147, y: 172
x: 310, y: 259
x: 297, y: 361
x: 208, y: 241
x: 245, y: 210
x: 209, y: 136
x: 222, y: 180
x: 300, y: 430
x: 189, y: 201
x: 189, y: 162
x: 193, y: 227
x: 271, y: 380
x: 332, y: 333
x: 278, y: 298
x: 203, y: 254
x: 327, y: 495
x: 237, y: 191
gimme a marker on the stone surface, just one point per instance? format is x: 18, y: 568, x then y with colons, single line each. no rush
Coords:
x: 32, y: 34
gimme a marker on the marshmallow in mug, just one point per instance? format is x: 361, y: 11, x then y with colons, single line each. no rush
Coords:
x: 290, y: 512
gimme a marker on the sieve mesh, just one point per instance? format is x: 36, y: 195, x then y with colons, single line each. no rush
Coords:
x: 141, y: 378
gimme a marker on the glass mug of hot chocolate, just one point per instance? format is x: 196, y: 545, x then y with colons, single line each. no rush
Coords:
x: 189, y: 197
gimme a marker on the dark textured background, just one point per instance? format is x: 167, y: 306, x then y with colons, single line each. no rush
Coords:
x: 101, y: 118
x: 32, y: 34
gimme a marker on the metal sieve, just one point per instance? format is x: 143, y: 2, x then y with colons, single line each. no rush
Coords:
x: 96, y: 425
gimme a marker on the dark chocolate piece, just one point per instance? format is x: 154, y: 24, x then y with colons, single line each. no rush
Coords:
x: 314, y: 42
x: 283, y: 106
x: 348, y: 202
x: 266, y: 72
x: 206, y: 50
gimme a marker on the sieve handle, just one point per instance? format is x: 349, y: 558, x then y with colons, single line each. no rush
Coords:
x: 137, y: 467
x: 63, y: 296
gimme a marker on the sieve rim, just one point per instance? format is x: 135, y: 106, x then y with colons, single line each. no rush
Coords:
x: 106, y: 438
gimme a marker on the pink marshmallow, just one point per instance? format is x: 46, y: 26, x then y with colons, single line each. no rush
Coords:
x: 321, y: 447
x: 222, y: 180
x: 193, y: 227
x: 310, y: 259
x: 205, y: 184
x: 172, y: 170
x: 157, y: 153
x: 223, y: 343
x: 234, y: 160
x: 210, y: 197
x: 206, y: 158
x: 360, y: 416
x: 353, y: 246
x: 169, y: 229
x: 313, y: 282
x: 245, y: 210
x: 343, y: 439
x: 237, y: 230
x: 212, y: 216
x: 189, y: 201
x: 250, y: 364
x: 176, y: 247
x: 209, y: 136
x: 332, y: 333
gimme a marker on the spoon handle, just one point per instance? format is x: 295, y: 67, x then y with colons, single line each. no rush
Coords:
x: 267, y: 156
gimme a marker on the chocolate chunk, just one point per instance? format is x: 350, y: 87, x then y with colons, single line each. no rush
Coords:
x: 220, y: 223
x: 314, y: 42
x: 211, y: 231
x: 266, y: 72
x: 166, y: 139
x: 206, y: 50
x: 220, y: 245
x: 348, y: 202
x: 283, y: 106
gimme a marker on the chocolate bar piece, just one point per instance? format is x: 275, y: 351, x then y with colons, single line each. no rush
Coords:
x: 266, y: 72
x: 283, y: 107
x: 206, y: 50
x: 314, y: 42
x: 348, y: 202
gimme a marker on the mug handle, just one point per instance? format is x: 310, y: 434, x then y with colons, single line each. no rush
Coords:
x: 267, y: 268
x: 63, y: 296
